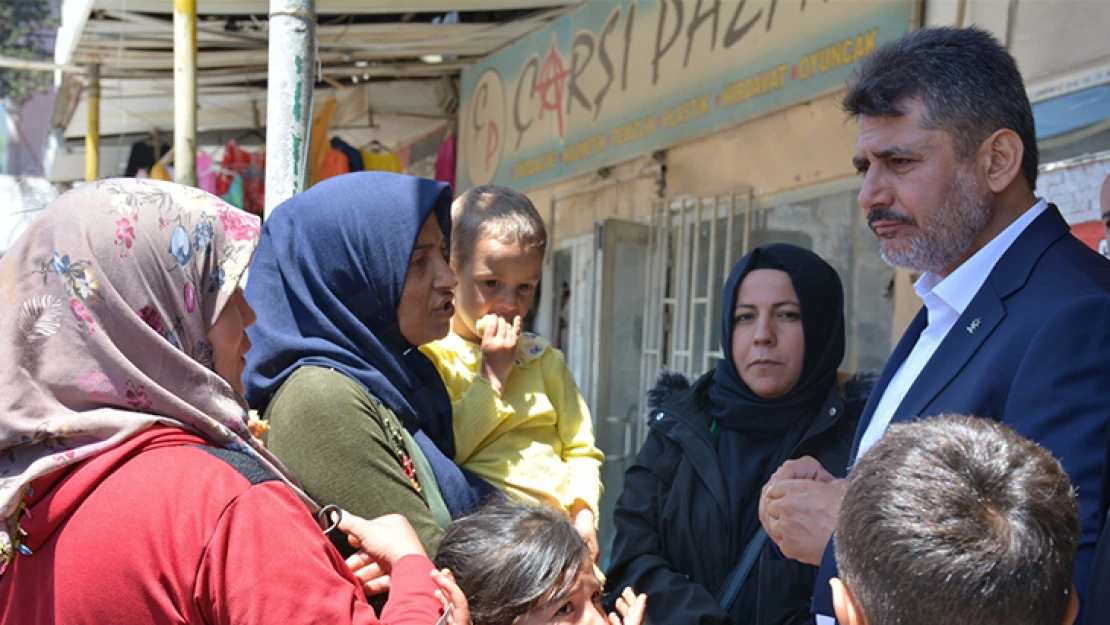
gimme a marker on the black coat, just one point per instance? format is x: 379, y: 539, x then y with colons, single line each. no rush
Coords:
x: 675, y: 538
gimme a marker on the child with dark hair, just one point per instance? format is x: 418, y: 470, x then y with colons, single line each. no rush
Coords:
x: 526, y: 565
x: 956, y: 520
x: 520, y: 422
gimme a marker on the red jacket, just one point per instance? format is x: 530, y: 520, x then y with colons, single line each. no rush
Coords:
x: 164, y: 529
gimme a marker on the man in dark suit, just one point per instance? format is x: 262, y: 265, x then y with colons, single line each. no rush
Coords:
x: 1016, y: 322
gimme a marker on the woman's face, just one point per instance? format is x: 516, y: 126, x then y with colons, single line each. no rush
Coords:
x: 768, y: 344
x: 580, y: 605
x: 229, y: 339
x: 427, y: 300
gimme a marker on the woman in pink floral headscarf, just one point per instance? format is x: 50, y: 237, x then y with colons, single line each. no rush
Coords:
x: 131, y: 489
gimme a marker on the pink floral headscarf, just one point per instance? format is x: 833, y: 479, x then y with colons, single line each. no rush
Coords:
x: 105, y: 306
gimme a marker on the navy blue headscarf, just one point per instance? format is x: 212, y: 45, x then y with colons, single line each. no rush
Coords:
x: 325, y: 284
x: 757, y: 435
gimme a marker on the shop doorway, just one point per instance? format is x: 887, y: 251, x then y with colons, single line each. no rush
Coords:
x: 596, y: 317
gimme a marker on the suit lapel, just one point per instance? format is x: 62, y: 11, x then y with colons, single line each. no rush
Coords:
x: 984, y: 313
x: 982, y: 316
x: 901, y: 351
x: 979, y: 320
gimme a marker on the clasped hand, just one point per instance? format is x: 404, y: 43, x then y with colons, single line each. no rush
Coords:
x: 798, y: 508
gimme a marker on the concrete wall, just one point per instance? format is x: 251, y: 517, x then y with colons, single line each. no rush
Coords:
x: 1074, y: 186
x: 800, y: 146
x: 811, y: 143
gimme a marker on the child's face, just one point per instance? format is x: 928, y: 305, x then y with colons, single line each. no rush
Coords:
x: 499, y: 279
x: 581, y: 605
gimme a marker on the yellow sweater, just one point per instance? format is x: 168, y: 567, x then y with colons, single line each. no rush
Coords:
x: 535, y: 440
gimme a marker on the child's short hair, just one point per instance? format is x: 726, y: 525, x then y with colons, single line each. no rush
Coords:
x: 958, y: 520
x: 498, y: 212
x: 509, y: 558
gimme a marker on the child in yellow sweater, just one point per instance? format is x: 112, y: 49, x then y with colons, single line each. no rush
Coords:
x: 520, y: 422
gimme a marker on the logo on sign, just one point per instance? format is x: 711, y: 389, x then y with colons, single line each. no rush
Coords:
x: 483, y: 124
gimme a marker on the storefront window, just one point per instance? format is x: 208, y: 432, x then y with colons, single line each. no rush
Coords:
x: 1074, y: 124
x: 697, y: 241
x: 833, y: 227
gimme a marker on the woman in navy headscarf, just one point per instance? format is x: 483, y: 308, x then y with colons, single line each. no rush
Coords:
x: 689, y: 509
x: 348, y: 278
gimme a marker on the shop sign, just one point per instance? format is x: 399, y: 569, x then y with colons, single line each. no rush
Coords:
x: 617, y: 78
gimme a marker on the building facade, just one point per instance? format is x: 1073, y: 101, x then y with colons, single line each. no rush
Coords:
x: 663, y: 140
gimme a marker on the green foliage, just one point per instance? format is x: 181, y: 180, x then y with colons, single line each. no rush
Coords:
x: 26, y: 32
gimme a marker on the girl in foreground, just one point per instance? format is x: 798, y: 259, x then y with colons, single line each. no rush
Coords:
x: 525, y: 564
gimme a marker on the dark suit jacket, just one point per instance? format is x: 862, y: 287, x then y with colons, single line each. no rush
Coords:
x: 1032, y: 350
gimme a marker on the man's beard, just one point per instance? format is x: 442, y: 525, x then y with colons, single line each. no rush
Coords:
x: 946, y: 238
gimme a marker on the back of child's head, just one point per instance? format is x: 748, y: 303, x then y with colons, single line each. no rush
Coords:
x: 492, y: 212
x: 510, y: 558
x: 961, y: 521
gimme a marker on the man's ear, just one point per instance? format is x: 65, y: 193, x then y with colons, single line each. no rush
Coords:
x: 1073, y: 607
x: 845, y: 606
x: 1002, y: 153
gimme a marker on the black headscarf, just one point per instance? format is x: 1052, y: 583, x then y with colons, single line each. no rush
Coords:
x: 755, y: 434
x: 737, y: 407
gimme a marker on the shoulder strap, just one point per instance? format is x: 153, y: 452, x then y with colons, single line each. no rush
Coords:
x: 246, y: 465
x: 735, y: 580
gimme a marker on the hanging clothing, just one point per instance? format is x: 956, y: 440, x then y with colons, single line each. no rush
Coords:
x: 335, y: 164
x: 445, y: 162
x: 160, y: 172
x: 206, y: 173
x: 143, y: 157
x: 319, y: 144
x: 251, y: 168
x: 234, y: 194
x: 381, y: 161
x: 354, y: 157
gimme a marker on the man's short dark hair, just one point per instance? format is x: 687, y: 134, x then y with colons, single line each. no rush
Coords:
x: 958, y: 520
x: 969, y: 85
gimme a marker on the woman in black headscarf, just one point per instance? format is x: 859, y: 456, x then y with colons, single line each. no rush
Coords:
x: 687, y: 525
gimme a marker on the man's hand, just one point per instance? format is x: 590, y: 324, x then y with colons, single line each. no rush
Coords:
x: 804, y: 468
x: 499, y: 340
x: 798, y: 509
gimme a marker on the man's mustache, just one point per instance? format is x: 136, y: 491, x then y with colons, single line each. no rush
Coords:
x: 885, y: 214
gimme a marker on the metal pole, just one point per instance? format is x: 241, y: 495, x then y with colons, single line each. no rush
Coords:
x: 292, y: 80
x: 185, y: 91
x: 42, y: 66
x: 92, y: 133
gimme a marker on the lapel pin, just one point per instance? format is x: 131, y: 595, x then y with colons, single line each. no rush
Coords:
x: 974, y: 326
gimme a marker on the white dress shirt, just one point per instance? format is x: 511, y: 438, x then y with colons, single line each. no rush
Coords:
x: 945, y: 300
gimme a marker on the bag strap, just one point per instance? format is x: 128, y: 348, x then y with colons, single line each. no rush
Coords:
x: 735, y: 580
